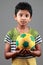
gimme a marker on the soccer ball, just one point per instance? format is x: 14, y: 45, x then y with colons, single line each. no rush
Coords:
x: 26, y: 41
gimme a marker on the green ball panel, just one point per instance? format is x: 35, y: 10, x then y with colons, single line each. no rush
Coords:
x: 32, y: 38
x: 23, y: 35
x: 33, y: 48
x: 17, y: 43
x: 25, y: 44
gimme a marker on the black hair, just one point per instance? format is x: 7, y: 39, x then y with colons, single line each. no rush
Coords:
x: 23, y: 6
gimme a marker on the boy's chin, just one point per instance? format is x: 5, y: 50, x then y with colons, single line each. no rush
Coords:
x: 23, y: 25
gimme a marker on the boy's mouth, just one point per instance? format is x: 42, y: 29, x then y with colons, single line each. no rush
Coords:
x: 23, y: 22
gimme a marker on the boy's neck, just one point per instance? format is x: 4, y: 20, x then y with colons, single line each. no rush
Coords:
x: 22, y: 27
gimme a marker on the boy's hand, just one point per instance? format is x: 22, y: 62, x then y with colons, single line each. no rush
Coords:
x: 24, y: 52
x: 21, y: 52
x: 30, y: 52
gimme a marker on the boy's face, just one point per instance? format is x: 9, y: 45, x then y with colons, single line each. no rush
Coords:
x: 23, y: 17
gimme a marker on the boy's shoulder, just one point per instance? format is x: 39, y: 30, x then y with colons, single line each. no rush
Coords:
x: 13, y: 30
x: 34, y: 32
x: 13, y: 33
x: 10, y: 31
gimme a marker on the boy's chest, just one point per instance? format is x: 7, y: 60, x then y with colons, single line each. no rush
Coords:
x: 17, y: 33
x: 23, y: 31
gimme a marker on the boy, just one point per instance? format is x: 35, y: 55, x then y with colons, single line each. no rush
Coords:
x: 23, y: 15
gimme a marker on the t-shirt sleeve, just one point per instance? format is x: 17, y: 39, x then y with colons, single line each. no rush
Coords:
x: 8, y: 37
x: 38, y: 38
x: 36, y: 35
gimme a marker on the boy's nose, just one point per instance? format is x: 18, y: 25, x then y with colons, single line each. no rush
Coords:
x: 23, y: 17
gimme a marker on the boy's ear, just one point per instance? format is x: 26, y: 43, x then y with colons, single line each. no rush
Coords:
x: 14, y: 17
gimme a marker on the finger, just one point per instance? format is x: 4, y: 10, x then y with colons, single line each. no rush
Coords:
x: 22, y: 51
x: 17, y: 49
x: 28, y: 51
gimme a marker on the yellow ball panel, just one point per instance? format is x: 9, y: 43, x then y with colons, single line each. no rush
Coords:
x: 31, y: 44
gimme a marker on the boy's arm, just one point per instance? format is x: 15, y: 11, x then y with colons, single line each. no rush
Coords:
x: 7, y: 51
x: 38, y: 41
x: 36, y: 52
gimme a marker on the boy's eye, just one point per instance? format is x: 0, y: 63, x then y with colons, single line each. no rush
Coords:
x: 26, y: 15
x: 21, y: 15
